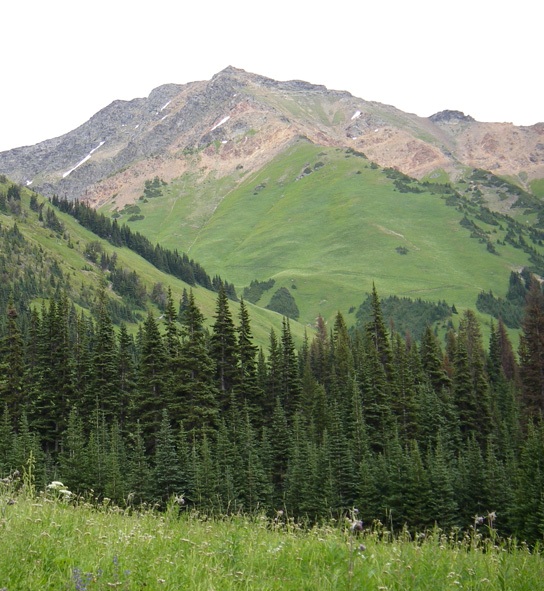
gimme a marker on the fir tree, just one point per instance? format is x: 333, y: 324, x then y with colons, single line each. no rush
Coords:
x: 138, y: 472
x: 224, y: 349
x: 247, y: 387
x: 127, y: 378
x: 195, y: 393
x: 12, y: 365
x: 74, y: 461
x: 531, y: 352
x: 290, y: 386
x: 167, y: 476
x: 105, y: 382
x: 152, y: 396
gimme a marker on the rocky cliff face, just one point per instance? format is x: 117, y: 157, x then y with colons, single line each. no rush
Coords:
x: 241, y: 119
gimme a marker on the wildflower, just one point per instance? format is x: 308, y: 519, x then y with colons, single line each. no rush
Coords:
x: 56, y: 485
x: 362, y: 547
x: 356, y: 527
x: 179, y: 499
x: 478, y: 520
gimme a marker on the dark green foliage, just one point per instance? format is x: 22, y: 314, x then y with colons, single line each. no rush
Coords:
x: 52, y: 221
x: 407, y: 316
x: 256, y: 289
x: 171, y: 262
x: 153, y: 188
x: 403, y: 183
x: 412, y: 434
x: 195, y: 395
x: 509, y: 309
x: 498, y: 307
x: 284, y: 303
x: 223, y: 349
x: 531, y: 352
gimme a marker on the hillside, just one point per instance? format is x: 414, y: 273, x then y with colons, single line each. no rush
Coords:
x: 243, y: 119
x: 46, y: 252
x: 290, y: 182
x: 327, y: 223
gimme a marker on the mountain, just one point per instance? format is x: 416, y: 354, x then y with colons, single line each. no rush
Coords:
x: 304, y: 195
x: 242, y: 119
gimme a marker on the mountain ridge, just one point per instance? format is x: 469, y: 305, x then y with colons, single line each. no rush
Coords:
x: 243, y: 119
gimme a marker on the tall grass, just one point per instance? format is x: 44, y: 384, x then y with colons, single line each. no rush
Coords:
x: 49, y: 541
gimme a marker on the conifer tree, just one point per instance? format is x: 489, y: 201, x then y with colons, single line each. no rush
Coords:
x: 274, y: 371
x: 252, y: 482
x: 54, y: 393
x: 73, y: 459
x: 417, y: 489
x: 114, y: 465
x: 470, y: 482
x: 469, y: 330
x: 105, y: 377
x: 368, y: 499
x: 279, y: 445
x: 152, y: 396
x: 127, y: 378
x: 442, y: 505
x: 247, y: 388
x: 296, y: 476
x: 464, y: 394
x: 290, y: 388
x: 341, y: 460
x: 403, y: 393
x: 12, y: 365
x: 7, y: 437
x: 224, y: 349
x: 195, y: 393
x: 319, y: 352
x: 172, y: 332
x: 377, y: 335
x: 508, y: 359
x: 139, y: 482
x: 531, y: 352
x: 204, y: 486
x: 343, y: 356
x: 227, y: 465
x: 167, y: 476
x: 433, y: 362
x: 26, y: 446
x: 376, y: 398
x: 527, y: 508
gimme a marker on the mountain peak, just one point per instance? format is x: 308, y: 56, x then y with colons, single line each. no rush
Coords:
x: 451, y: 116
x: 239, y: 120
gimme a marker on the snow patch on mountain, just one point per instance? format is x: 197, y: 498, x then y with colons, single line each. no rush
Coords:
x: 224, y: 120
x: 83, y: 161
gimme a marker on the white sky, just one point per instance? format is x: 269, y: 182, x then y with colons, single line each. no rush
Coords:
x: 64, y: 61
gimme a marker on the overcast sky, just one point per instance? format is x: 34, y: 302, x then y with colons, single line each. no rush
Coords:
x: 64, y: 61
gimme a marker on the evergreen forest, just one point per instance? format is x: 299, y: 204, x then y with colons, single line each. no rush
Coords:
x: 412, y: 433
x: 141, y: 398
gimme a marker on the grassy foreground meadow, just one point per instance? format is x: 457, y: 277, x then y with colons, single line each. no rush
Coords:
x: 48, y: 542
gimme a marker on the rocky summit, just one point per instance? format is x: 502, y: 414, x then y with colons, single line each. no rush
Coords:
x: 238, y: 119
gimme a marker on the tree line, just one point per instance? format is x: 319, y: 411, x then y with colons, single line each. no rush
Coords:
x: 411, y: 432
x: 169, y: 261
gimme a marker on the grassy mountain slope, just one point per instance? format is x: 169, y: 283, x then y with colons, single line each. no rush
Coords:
x: 67, y: 250
x: 326, y: 223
